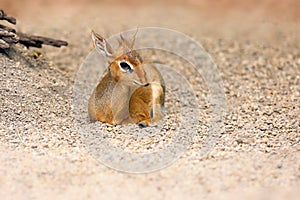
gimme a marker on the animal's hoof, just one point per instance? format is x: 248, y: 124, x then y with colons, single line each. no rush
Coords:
x: 142, y: 124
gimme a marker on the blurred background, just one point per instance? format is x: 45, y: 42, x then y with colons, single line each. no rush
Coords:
x: 275, y: 10
x: 223, y: 18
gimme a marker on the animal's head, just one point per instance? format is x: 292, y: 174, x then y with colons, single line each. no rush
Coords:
x: 126, y: 65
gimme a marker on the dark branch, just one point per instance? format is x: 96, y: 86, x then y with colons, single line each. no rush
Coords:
x: 7, y: 28
x: 3, y: 16
x: 9, y: 36
x: 37, y: 41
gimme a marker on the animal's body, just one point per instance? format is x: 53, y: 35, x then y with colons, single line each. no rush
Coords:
x: 131, y: 91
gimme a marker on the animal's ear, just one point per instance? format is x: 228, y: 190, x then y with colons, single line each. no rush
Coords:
x: 133, y: 39
x: 102, y: 45
x: 126, y: 44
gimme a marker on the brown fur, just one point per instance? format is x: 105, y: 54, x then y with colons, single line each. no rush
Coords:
x: 144, y: 101
x: 117, y: 99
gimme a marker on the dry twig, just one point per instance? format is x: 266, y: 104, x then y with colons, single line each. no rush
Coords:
x: 9, y: 36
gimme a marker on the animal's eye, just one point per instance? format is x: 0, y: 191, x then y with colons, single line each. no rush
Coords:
x: 125, y: 66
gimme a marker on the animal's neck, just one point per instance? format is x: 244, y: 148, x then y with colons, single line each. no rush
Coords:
x: 117, y: 87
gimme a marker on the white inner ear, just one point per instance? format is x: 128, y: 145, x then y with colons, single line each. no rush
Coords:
x: 101, y: 46
x: 105, y: 49
x: 123, y: 70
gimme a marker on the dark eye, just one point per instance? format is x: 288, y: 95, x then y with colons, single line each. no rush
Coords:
x: 124, y: 66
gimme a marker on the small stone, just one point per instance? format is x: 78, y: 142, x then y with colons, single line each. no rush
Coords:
x: 279, y: 165
x: 240, y: 141
x: 262, y: 129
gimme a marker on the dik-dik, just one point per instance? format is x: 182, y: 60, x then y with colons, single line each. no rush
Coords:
x: 131, y: 90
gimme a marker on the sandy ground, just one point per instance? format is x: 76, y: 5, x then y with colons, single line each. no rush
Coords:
x: 256, y: 157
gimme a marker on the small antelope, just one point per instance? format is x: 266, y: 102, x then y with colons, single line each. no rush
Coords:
x: 131, y: 90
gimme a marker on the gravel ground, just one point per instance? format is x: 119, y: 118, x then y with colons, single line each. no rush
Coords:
x: 257, y: 156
